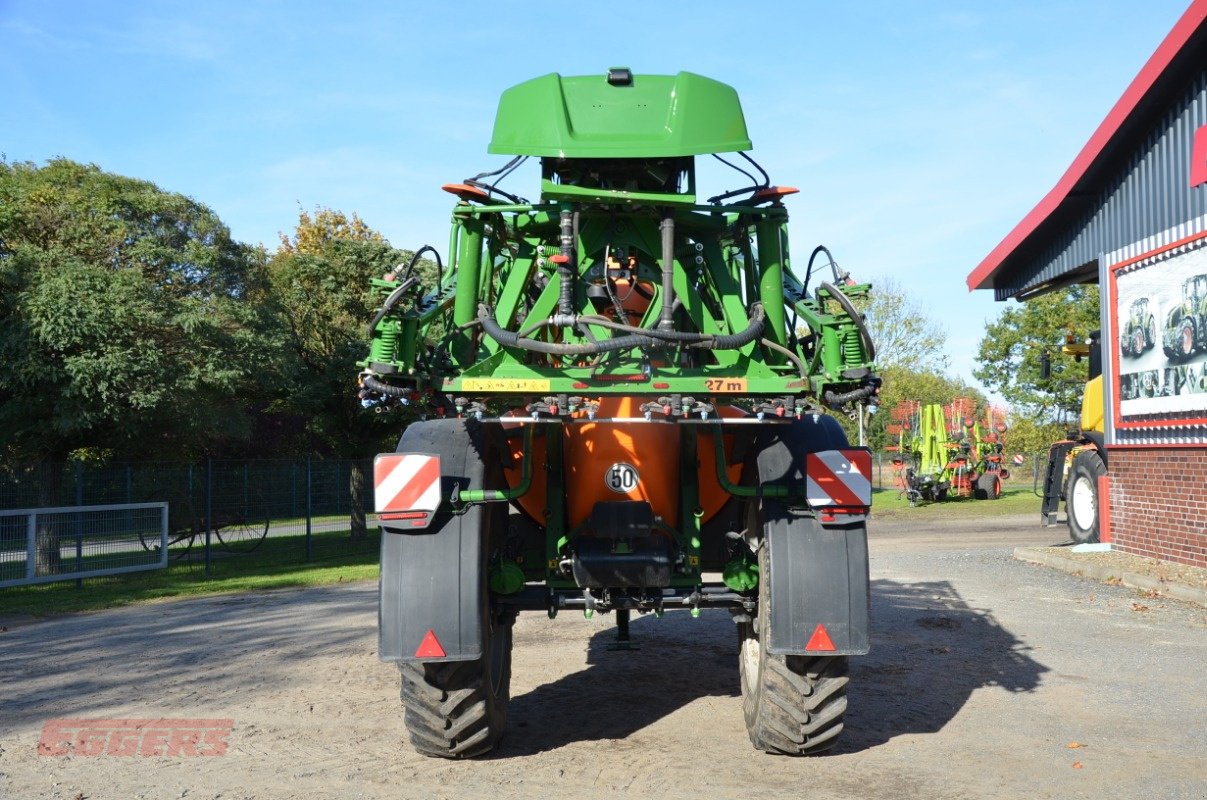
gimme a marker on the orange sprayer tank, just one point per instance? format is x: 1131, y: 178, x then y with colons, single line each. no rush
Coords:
x: 651, y: 448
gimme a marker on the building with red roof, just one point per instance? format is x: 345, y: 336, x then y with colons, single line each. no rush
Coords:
x: 1130, y: 214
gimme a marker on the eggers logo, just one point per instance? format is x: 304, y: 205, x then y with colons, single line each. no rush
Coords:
x: 135, y: 737
x: 621, y: 478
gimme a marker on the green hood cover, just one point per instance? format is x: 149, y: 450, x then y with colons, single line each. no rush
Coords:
x: 586, y: 117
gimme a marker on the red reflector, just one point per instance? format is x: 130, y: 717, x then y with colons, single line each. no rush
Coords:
x: 430, y: 646
x: 403, y: 515
x: 820, y: 640
x: 560, y: 259
x: 661, y: 385
x: 579, y: 385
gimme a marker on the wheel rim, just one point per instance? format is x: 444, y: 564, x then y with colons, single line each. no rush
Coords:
x: 1083, y: 505
x: 1138, y: 342
x: 1187, y: 340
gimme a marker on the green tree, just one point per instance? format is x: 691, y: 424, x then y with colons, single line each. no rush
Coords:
x: 903, y: 333
x: 320, y: 285
x: 125, y: 322
x: 1009, y: 355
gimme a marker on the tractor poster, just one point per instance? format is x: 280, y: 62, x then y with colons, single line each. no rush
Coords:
x: 1160, y: 350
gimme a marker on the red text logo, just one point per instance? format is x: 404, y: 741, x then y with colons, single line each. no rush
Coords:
x: 135, y: 737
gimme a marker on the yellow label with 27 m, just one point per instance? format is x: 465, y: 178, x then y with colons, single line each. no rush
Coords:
x: 505, y: 385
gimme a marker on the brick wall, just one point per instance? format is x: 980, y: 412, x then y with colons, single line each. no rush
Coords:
x: 1159, y: 502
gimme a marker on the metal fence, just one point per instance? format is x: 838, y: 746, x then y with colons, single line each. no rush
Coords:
x: 41, y: 545
x: 216, y: 508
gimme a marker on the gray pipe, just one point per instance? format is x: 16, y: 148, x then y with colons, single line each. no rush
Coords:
x: 666, y: 322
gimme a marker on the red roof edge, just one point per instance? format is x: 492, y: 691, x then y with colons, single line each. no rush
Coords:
x: 1173, y: 43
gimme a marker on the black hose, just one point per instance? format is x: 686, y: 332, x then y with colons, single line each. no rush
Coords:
x: 847, y: 306
x: 757, y: 185
x: 833, y: 399
x: 734, y: 166
x: 703, y: 340
x: 756, y: 165
x: 646, y: 338
x: 374, y: 385
x: 502, y: 172
x: 510, y: 339
x: 427, y: 248
x: 821, y: 248
x: 735, y: 341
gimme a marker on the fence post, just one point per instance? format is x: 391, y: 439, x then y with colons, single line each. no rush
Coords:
x: 209, y: 509
x: 31, y: 546
x: 309, y: 509
x: 79, y: 523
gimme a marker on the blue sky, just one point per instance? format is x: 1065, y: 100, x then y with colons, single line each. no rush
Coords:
x: 919, y: 133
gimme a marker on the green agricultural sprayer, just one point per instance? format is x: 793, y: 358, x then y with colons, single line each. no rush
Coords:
x: 617, y: 400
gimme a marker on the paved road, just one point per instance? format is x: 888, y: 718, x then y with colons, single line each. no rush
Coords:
x: 984, y: 672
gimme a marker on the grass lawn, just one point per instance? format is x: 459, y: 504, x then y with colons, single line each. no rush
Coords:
x: 1017, y: 498
x: 278, y: 562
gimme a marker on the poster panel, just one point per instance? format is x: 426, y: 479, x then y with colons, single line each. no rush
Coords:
x: 1160, y: 348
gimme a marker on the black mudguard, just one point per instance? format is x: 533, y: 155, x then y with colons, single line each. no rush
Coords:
x: 434, y: 579
x: 818, y: 573
x: 818, y: 576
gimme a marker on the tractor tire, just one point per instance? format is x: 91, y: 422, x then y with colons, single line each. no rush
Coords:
x: 1138, y: 342
x: 1150, y: 334
x: 1187, y: 338
x: 793, y: 705
x: 1081, y: 496
x: 458, y: 709
x: 989, y: 486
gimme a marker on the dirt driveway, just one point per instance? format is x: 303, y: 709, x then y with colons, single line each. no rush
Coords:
x: 984, y: 671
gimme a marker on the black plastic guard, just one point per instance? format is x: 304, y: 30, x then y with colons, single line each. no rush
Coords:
x: 433, y: 580
x: 818, y: 576
x: 430, y: 581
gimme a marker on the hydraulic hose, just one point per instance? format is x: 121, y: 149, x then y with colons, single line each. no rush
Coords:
x: 511, y: 339
x: 372, y: 384
x: 742, y: 338
x: 645, y: 338
x: 833, y: 399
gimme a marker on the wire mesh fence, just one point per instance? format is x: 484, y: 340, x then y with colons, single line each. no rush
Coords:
x: 216, y: 509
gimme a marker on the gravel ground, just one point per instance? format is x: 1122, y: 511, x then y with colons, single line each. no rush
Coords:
x: 989, y: 678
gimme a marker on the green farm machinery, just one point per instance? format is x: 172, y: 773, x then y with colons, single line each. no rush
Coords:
x: 944, y: 451
x: 617, y: 399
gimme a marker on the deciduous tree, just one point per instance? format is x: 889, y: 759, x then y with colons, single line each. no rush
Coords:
x: 1009, y: 355
x: 320, y: 285
x: 125, y: 322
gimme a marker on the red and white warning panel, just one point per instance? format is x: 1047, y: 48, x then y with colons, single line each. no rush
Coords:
x: 839, y: 479
x: 406, y: 488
